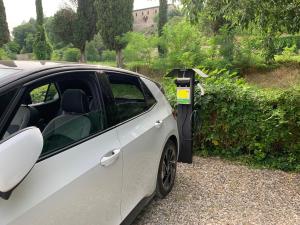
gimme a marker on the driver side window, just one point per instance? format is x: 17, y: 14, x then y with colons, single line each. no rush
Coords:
x: 64, y: 119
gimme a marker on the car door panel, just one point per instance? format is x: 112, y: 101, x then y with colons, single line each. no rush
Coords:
x: 70, y: 187
x: 142, y: 141
x: 139, y: 141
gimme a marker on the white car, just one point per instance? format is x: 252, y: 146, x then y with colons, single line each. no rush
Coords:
x: 82, y: 144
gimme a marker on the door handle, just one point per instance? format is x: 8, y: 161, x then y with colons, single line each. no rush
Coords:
x: 110, y: 158
x: 158, y: 124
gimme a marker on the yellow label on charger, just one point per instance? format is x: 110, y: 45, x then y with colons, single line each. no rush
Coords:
x: 183, y: 95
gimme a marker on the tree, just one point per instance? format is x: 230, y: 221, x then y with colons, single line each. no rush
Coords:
x: 162, y: 20
x: 77, y: 27
x: 193, y: 9
x: 41, y: 47
x: 183, y: 42
x: 21, y: 35
x: 270, y: 19
x: 115, y: 20
x: 85, y: 28
x: 4, y: 32
x: 64, y: 25
x: 39, y: 12
x: 212, y: 16
x: 54, y: 39
x: 29, y: 42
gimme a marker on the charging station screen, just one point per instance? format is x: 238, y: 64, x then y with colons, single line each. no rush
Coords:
x: 183, y: 95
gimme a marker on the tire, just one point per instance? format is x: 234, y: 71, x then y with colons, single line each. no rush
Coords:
x: 167, y: 170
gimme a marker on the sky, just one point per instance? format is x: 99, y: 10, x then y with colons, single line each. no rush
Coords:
x: 18, y: 11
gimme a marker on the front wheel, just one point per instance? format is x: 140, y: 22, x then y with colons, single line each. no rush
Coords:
x: 167, y: 170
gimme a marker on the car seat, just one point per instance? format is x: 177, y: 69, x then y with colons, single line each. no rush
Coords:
x: 25, y: 117
x: 72, y: 125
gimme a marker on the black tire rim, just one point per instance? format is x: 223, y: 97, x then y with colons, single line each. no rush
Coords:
x: 168, y: 168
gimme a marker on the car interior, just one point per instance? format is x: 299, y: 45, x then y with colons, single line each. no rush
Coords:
x: 69, y: 113
x: 25, y: 115
x: 128, y: 95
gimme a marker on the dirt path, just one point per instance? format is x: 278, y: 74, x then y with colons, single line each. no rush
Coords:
x: 213, y: 191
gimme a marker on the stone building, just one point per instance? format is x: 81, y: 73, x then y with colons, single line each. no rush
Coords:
x: 146, y: 19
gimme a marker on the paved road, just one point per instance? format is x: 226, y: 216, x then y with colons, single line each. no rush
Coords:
x: 213, y: 191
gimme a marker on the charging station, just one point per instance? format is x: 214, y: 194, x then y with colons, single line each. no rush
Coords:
x: 186, y: 83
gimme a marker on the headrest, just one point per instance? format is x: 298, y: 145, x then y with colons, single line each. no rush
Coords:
x: 75, y: 101
x: 27, y: 99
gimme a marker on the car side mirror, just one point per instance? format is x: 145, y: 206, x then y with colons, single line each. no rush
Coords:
x: 18, y: 154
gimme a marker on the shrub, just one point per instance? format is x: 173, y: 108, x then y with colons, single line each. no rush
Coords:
x: 290, y: 51
x: 287, y: 42
x: 11, y: 50
x: 240, y: 120
x: 3, y: 54
x: 13, y: 47
x: 94, y: 48
x: 42, y: 48
x: 183, y: 43
x: 71, y: 55
x: 92, y: 54
x: 248, y: 53
x: 140, y: 47
x: 57, y: 55
x: 108, y: 55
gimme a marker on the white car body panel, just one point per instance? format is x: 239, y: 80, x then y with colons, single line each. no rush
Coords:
x: 69, y: 187
x: 142, y: 145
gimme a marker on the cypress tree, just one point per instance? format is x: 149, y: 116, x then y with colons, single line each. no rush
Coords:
x: 41, y: 47
x: 4, y: 32
x: 85, y: 25
x: 162, y: 20
x: 115, y: 19
x: 39, y: 13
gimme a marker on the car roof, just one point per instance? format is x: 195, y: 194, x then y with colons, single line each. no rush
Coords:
x: 22, y: 69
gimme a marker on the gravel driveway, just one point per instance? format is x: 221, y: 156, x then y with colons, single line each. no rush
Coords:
x: 213, y: 191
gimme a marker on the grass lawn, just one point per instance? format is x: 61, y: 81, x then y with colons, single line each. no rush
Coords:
x: 284, y: 76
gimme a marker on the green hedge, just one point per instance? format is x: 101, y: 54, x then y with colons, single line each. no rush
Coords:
x: 68, y: 54
x: 108, y: 55
x: 3, y: 54
x: 71, y: 55
x: 240, y: 120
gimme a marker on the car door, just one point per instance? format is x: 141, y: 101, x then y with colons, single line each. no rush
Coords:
x: 141, y: 134
x: 76, y: 184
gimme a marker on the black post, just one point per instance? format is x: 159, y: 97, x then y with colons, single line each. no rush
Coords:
x: 185, y: 79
